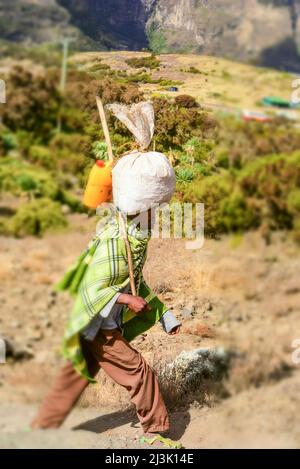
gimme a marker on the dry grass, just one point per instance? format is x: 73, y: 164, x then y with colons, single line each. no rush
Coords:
x: 6, y: 271
x: 221, y: 82
x: 199, y: 329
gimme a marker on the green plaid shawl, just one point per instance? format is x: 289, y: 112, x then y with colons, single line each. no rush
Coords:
x: 99, y: 273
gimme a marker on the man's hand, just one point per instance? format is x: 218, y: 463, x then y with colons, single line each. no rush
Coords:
x: 137, y: 304
x: 175, y: 330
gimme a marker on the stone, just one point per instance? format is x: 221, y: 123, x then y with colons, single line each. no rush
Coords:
x: 187, y: 312
x: 17, y: 352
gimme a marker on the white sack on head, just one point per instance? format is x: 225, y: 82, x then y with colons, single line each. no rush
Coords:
x: 142, y: 180
x: 138, y: 118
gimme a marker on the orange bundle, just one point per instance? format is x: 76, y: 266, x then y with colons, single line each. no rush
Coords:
x: 99, y: 186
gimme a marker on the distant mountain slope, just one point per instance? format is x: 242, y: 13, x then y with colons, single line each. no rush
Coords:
x: 267, y: 31
x: 263, y: 31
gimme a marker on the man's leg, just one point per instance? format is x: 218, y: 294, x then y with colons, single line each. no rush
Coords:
x: 62, y: 397
x: 128, y: 368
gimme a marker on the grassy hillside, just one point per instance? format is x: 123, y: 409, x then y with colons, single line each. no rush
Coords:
x: 246, y: 173
x: 210, y: 80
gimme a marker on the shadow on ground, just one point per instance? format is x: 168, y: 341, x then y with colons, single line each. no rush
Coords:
x: 179, y: 421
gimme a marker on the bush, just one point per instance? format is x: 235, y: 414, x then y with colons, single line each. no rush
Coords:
x: 175, y: 125
x: 235, y: 214
x: 112, y: 91
x: 194, y: 70
x: 17, y: 177
x: 293, y: 202
x: 184, y: 100
x: 185, y: 174
x: 240, y: 142
x: 34, y: 103
x: 199, y: 151
x: 70, y: 152
x: 157, y: 40
x: 265, y: 192
x: 8, y: 141
x: 99, y: 67
x: 41, y: 156
x: 144, y: 62
x: 37, y: 217
x: 270, y: 180
x: 210, y: 191
x: 296, y: 230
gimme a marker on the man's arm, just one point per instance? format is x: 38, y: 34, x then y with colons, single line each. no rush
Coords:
x: 137, y: 304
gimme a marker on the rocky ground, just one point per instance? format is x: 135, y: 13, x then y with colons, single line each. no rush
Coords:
x: 237, y: 293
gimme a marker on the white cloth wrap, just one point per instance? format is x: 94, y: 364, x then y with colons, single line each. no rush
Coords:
x: 141, y: 181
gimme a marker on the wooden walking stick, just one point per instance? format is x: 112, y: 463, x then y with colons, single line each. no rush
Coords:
x: 105, y: 128
x: 129, y: 254
x: 121, y: 216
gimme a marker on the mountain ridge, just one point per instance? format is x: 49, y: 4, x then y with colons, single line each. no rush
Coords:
x: 266, y: 32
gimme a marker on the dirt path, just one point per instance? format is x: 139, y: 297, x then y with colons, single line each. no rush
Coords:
x: 254, y: 419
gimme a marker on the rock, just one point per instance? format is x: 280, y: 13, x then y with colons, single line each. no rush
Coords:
x: 190, y: 368
x: 17, y: 352
x: 35, y: 333
x: 36, y: 336
x: 51, y: 302
x: 293, y: 289
x: 16, y: 325
x: 42, y: 357
x: 187, y: 312
x: 46, y: 323
x: 65, y: 209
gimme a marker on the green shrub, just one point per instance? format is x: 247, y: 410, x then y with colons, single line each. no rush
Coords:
x: 194, y: 70
x: 240, y: 142
x: 293, y: 204
x: 66, y: 198
x: 99, y: 67
x: 185, y: 100
x: 38, y: 217
x: 265, y: 192
x: 17, y: 177
x: 293, y: 201
x: 296, y: 230
x: 34, y: 102
x: 100, y: 151
x: 41, y: 156
x: 112, y: 91
x: 71, y: 152
x: 185, y: 174
x: 202, y: 170
x: 175, y: 125
x: 5, y: 227
x: 235, y: 214
x: 210, y: 191
x: 157, y: 40
x: 8, y: 141
x: 199, y: 150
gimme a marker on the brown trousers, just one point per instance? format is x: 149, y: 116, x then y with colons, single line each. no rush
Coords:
x: 125, y: 366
